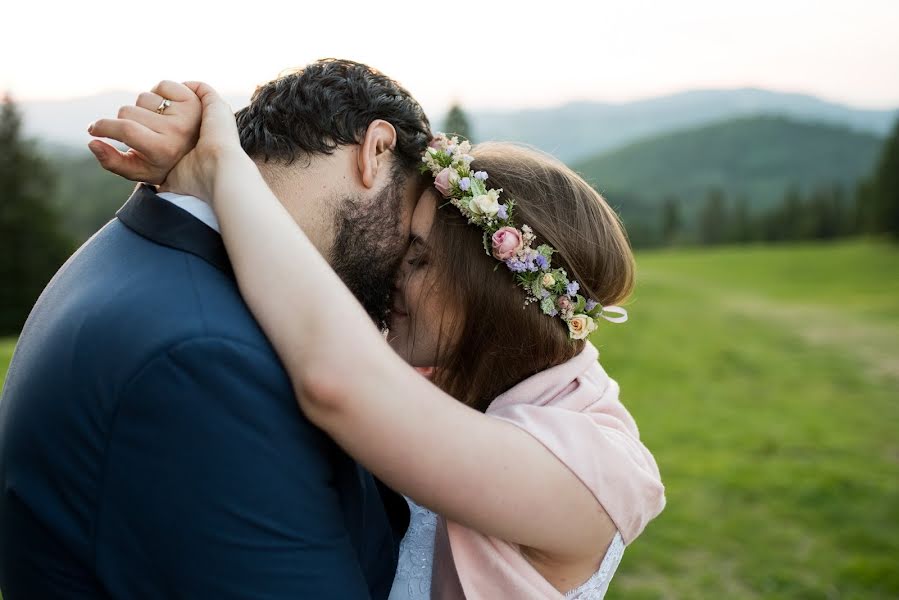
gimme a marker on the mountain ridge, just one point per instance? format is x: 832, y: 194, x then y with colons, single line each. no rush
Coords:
x: 756, y: 157
x: 573, y: 131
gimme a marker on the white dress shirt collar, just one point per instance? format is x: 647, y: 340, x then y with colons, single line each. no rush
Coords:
x: 196, y: 207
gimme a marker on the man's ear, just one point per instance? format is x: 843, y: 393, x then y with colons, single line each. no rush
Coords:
x: 375, y: 151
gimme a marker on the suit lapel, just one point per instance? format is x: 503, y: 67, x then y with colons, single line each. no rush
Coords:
x: 162, y: 222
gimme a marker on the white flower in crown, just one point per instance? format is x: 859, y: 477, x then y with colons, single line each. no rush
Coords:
x: 580, y: 326
x: 485, y: 205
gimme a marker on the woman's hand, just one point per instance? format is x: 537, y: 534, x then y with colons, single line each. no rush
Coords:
x: 218, y: 145
x: 156, y: 141
x: 181, y: 148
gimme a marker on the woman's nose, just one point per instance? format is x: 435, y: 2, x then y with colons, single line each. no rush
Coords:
x: 399, y: 279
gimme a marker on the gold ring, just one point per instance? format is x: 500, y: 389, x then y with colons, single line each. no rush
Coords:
x: 163, y: 105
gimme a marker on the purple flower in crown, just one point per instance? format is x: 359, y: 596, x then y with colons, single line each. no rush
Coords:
x: 544, y: 294
x: 516, y: 266
x: 572, y: 288
x: 502, y: 214
x: 464, y: 184
x: 590, y: 305
x: 482, y: 175
x: 531, y: 262
x: 541, y: 261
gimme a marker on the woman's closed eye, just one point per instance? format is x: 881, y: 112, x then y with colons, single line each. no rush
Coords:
x: 418, y: 260
x: 418, y: 253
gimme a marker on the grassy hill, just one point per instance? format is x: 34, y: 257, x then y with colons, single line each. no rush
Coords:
x: 756, y: 157
x: 578, y: 130
x: 765, y: 381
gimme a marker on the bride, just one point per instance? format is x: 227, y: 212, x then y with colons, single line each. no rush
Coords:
x: 525, y: 474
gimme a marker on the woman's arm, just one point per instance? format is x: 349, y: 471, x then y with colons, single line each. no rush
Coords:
x: 482, y: 472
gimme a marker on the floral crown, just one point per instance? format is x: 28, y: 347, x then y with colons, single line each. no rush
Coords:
x: 448, y: 161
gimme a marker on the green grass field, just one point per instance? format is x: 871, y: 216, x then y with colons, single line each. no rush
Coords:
x: 6, y: 347
x: 766, y: 380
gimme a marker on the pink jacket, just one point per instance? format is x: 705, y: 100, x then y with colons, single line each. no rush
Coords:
x: 573, y: 410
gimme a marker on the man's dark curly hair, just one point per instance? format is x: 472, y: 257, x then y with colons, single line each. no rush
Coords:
x: 327, y: 104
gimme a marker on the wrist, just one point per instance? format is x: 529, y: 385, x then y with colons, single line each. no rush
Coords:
x: 227, y: 157
x: 221, y: 162
x: 228, y: 168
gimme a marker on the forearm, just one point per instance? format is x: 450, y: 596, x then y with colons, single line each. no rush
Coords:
x: 352, y: 385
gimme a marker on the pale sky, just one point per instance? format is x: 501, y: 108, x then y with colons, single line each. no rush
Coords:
x: 484, y: 54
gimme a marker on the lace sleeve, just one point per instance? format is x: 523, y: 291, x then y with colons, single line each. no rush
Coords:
x: 595, y: 587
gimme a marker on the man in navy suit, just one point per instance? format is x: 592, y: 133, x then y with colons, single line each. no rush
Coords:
x: 150, y: 441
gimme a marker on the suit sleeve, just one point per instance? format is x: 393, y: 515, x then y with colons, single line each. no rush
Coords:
x: 217, y: 487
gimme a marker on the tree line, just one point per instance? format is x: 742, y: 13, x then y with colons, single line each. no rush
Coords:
x: 32, y: 240
x: 825, y: 212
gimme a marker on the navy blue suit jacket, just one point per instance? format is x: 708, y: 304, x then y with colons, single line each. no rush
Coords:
x: 151, y: 445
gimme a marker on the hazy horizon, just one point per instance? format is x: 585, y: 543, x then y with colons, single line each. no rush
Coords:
x: 480, y: 54
x: 232, y: 94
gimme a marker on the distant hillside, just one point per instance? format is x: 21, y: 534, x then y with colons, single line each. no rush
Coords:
x: 757, y: 157
x: 572, y: 132
x: 576, y: 131
x: 86, y: 195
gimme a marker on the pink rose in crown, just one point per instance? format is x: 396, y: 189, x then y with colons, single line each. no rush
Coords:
x: 506, y: 243
x: 438, y: 141
x: 442, y: 182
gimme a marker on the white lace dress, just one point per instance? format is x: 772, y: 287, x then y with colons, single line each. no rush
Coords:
x: 413, y: 573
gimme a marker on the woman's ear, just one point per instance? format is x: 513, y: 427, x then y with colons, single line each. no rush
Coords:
x: 427, y: 372
x: 376, y: 150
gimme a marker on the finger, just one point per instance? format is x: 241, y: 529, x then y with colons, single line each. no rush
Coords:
x: 205, y: 92
x: 129, y: 165
x: 174, y: 91
x: 148, y: 118
x: 149, y: 100
x: 130, y: 133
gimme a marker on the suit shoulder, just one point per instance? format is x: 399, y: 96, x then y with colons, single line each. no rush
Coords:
x: 124, y: 298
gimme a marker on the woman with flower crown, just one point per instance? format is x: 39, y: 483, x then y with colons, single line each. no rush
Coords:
x: 525, y: 474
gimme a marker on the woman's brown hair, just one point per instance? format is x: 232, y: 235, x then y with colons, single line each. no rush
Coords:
x: 498, y: 341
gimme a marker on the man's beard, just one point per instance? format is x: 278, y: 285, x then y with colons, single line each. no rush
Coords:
x: 368, y: 247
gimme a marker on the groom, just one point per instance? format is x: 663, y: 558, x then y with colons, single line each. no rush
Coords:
x: 150, y: 441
